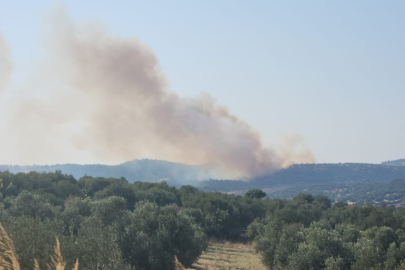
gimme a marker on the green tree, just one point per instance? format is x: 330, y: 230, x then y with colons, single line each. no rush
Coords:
x: 34, y: 238
x: 109, y: 210
x: 31, y: 204
x: 96, y: 247
x: 76, y: 210
x: 153, y: 235
x: 255, y: 193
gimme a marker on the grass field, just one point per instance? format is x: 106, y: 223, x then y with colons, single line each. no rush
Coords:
x: 229, y: 256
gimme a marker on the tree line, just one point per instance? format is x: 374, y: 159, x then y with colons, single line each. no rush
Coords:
x: 108, y: 223
x: 310, y: 233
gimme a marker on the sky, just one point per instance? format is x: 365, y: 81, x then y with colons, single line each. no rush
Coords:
x: 332, y: 72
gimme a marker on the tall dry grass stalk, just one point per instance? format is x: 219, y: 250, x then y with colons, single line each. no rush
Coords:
x: 9, y: 259
x: 57, y: 262
x: 8, y: 255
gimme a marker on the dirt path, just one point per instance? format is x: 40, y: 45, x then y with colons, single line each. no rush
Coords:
x: 229, y: 256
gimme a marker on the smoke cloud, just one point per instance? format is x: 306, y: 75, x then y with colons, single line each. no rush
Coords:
x: 5, y: 64
x: 114, y: 102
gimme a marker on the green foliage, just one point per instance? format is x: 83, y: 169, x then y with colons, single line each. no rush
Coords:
x: 154, y: 235
x: 96, y: 221
x: 290, y: 239
x: 267, y: 237
x: 33, y: 238
x: 303, y: 198
x: 307, y: 233
x: 109, y: 210
x: 120, y: 189
x: 76, y: 210
x: 161, y: 197
x: 255, y: 193
x: 111, y: 224
x: 31, y: 204
x: 96, y: 247
x: 333, y: 263
x: 90, y: 185
x: 196, y: 214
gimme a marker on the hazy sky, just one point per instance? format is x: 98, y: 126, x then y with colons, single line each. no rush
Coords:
x: 330, y: 71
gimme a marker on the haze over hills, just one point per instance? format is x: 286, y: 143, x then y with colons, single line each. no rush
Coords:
x: 398, y: 162
x: 282, y: 183
x: 146, y: 170
x: 352, y: 182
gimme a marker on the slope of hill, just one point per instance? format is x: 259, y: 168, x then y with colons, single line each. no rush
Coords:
x: 356, y: 182
x: 135, y: 170
x: 398, y: 162
x: 332, y: 173
x: 349, y: 182
x: 391, y: 193
x: 314, y: 174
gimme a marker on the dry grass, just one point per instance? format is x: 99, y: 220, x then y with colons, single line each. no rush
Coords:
x: 9, y: 258
x: 178, y: 265
x: 229, y: 256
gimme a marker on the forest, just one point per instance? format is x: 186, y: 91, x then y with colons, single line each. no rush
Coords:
x: 109, y: 223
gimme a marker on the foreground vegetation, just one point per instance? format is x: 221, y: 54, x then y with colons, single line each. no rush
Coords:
x: 108, y: 223
x: 309, y: 233
x: 9, y: 257
x: 113, y: 224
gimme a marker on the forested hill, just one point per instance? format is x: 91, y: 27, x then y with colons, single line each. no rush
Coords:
x: 398, y: 162
x: 332, y: 173
x: 349, y: 182
x: 334, y: 180
x: 146, y: 170
x: 315, y: 174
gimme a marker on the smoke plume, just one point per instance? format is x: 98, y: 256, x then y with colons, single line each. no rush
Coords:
x: 121, y: 108
x: 5, y: 65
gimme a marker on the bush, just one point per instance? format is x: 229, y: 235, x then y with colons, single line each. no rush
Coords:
x: 153, y: 236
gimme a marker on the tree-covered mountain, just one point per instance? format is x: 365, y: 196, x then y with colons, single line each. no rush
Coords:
x: 391, y: 193
x: 314, y: 174
x: 398, y: 162
x: 348, y: 182
x: 146, y: 170
x: 332, y: 173
x: 338, y: 181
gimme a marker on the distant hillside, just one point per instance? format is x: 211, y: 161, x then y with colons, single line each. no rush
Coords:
x: 315, y: 174
x: 332, y: 173
x: 355, y: 182
x: 391, y: 193
x: 348, y: 182
x: 398, y: 162
x: 136, y: 170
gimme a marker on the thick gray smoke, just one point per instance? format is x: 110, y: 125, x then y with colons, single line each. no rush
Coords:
x: 5, y: 65
x: 127, y: 111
